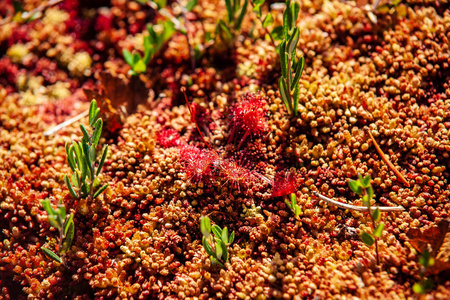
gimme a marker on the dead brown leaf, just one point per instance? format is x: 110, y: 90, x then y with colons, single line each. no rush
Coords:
x: 119, y: 97
x: 437, y: 240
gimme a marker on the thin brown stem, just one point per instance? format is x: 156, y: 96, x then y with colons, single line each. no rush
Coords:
x: 384, y: 158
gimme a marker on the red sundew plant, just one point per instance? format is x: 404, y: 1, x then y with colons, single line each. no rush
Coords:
x: 168, y: 138
x: 198, y: 163
x: 235, y: 173
x: 249, y: 116
x: 285, y: 183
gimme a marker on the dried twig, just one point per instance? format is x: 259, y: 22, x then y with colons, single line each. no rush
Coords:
x: 390, y: 165
x: 358, y: 208
x: 66, y: 123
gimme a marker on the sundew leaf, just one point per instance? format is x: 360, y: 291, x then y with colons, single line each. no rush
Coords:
x: 51, y: 254
x: 367, y: 239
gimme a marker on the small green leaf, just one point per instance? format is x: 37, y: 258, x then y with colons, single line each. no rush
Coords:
x: 293, y: 200
x: 229, y: 11
x: 231, y: 238
x: 128, y: 58
x: 298, y: 72
x: 297, y: 211
x: 74, y: 180
x: 418, y: 288
x: 78, y: 155
x: 69, y: 234
x: 102, y: 160
x: 292, y: 43
x: 257, y: 9
x: 67, y: 224
x: 92, y: 154
x: 296, y: 99
x: 225, y: 235
x: 216, y: 262
x: 217, y: 231
x: 69, y: 186
x: 288, y: 203
x: 369, y: 191
x: 61, y: 212
x: 207, y: 247
x: 426, y: 260
x: 169, y: 30
x: 219, y: 250
x: 205, y: 226
x: 295, y: 10
x: 224, y: 28
x: 365, y: 200
x: 92, y: 110
x: 47, y: 206
x: 355, y: 186
x: 366, y: 181
x: 97, y: 131
x: 287, y: 20
x: 283, y: 94
x: 136, y: 57
x: 241, y: 15
x: 53, y: 222
x: 277, y: 33
x: 140, y: 67
x: 147, y: 50
x: 379, y: 230
x: 51, y: 254
x: 376, y: 215
x: 268, y: 20
x: 283, y: 60
x: 100, y: 190
x: 224, y: 251
x: 191, y: 4
x: 367, y: 238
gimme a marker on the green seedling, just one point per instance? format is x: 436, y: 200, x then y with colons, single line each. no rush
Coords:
x: 268, y: 20
x: 293, y: 205
x: 229, y: 28
x: 425, y: 284
x: 58, y: 219
x: 81, y: 157
x: 153, y: 42
x: 291, y: 67
x: 362, y: 187
x: 216, y: 244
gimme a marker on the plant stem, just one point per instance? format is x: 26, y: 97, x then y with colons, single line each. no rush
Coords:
x: 358, y: 208
x: 60, y: 242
